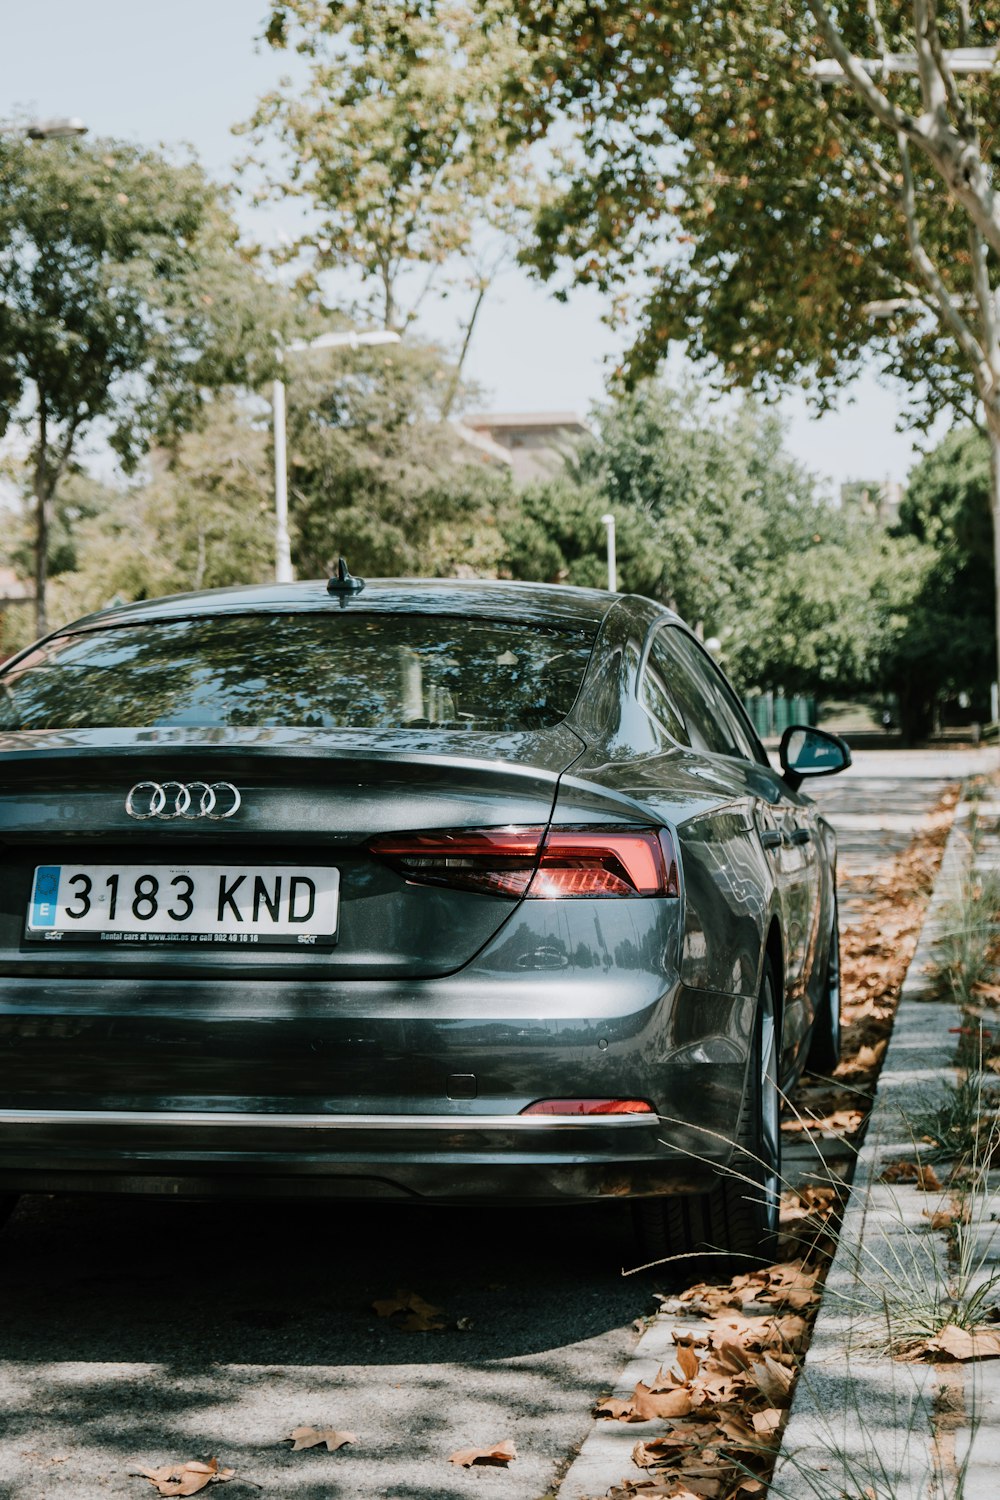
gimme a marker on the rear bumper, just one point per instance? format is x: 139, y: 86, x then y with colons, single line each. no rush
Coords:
x: 445, y: 1158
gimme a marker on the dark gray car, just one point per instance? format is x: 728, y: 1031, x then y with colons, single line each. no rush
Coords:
x: 461, y: 891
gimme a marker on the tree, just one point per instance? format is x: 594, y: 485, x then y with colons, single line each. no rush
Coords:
x: 395, y: 143
x: 124, y: 298
x: 946, y: 513
x: 375, y: 474
x: 717, y: 520
x: 787, y: 230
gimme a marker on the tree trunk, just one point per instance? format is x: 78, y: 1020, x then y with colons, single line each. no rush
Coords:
x: 456, y: 374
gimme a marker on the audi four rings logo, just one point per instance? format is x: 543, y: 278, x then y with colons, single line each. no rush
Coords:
x: 183, y: 799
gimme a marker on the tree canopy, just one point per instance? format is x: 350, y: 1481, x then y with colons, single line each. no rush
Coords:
x: 794, y: 187
x: 395, y: 142
x: 125, y: 297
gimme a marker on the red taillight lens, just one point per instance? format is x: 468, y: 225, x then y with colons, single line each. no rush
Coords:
x: 499, y: 861
x: 589, y: 1107
x: 516, y: 862
x: 606, y: 862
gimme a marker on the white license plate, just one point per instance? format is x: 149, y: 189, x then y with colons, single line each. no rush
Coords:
x: 157, y: 903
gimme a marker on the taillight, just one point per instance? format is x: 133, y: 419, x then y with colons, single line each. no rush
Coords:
x: 516, y: 862
x: 500, y: 861
x: 589, y: 1107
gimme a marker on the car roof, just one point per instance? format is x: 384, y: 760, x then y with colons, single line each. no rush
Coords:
x: 490, y: 598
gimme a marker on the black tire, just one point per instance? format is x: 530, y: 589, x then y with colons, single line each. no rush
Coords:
x: 824, y: 1045
x: 735, y: 1225
x: 8, y: 1203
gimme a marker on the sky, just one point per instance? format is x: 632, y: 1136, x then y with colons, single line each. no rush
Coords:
x: 184, y: 72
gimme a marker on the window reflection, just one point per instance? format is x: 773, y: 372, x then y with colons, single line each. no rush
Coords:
x: 374, y: 671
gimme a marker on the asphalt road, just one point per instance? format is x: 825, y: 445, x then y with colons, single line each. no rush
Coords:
x: 145, y: 1332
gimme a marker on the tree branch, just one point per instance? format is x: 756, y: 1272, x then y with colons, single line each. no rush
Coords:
x: 984, y: 299
x: 881, y: 107
x: 956, y: 158
x: 948, y: 311
x: 926, y: 14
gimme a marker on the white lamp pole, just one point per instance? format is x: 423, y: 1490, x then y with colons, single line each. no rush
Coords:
x: 283, y: 571
x: 609, y: 522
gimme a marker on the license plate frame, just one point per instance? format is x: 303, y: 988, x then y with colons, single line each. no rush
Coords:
x: 189, y: 905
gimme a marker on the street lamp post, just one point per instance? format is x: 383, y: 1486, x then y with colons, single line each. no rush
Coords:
x: 608, y: 521
x: 283, y: 570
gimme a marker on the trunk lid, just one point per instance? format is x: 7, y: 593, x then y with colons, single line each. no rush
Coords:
x: 308, y: 801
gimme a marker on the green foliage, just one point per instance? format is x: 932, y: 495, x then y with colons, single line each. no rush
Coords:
x: 203, y: 519
x: 124, y: 294
x: 714, y: 518
x: 946, y: 510
x: 125, y: 298
x: 764, y: 209
x: 395, y: 137
x: 375, y: 475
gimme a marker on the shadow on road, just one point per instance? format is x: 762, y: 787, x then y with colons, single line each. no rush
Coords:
x: 126, y: 1280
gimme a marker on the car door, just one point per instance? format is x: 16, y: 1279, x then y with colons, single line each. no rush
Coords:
x: 686, y: 692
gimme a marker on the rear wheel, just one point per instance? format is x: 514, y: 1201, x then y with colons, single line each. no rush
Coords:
x: 824, y: 1047
x: 736, y: 1223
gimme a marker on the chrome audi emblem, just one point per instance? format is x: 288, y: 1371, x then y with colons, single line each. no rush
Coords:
x: 183, y: 799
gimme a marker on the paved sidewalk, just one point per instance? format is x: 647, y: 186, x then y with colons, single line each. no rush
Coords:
x: 861, y: 1422
x: 876, y: 806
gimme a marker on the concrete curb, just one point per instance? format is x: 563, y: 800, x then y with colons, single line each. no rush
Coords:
x: 859, y: 1419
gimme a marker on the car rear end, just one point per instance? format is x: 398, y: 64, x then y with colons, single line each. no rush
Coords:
x: 287, y: 910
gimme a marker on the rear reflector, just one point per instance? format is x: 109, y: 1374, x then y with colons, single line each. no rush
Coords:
x: 589, y: 1107
x: 516, y: 862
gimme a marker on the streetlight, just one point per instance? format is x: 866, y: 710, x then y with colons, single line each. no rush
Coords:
x: 59, y: 129
x: 283, y: 571
x: 608, y: 521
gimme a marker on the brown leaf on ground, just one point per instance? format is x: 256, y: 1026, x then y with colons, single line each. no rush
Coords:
x: 499, y: 1456
x: 422, y: 1316
x: 839, y: 1122
x: 311, y: 1437
x: 185, y: 1479
x: 767, y: 1422
x: 955, y: 1344
x: 772, y: 1379
x: 920, y: 1173
x: 867, y: 1058
x: 946, y: 1218
x: 645, y: 1404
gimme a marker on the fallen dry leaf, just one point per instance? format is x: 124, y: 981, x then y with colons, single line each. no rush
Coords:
x: 920, y: 1173
x: 500, y: 1455
x: 839, y: 1122
x: 958, y: 1344
x: 422, y: 1316
x: 185, y: 1479
x: 311, y: 1437
x: 772, y: 1379
x: 766, y: 1422
x: 645, y: 1404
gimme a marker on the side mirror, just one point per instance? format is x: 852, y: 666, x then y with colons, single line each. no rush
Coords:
x: 811, y: 752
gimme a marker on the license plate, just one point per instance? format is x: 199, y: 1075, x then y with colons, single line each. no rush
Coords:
x: 155, y: 903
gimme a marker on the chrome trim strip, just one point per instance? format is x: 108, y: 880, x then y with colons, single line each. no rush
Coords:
x: 317, y: 1122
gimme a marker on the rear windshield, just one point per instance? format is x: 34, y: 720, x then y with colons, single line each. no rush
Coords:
x: 349, y: 670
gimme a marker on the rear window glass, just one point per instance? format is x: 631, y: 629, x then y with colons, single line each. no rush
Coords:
x: 349, y: 670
